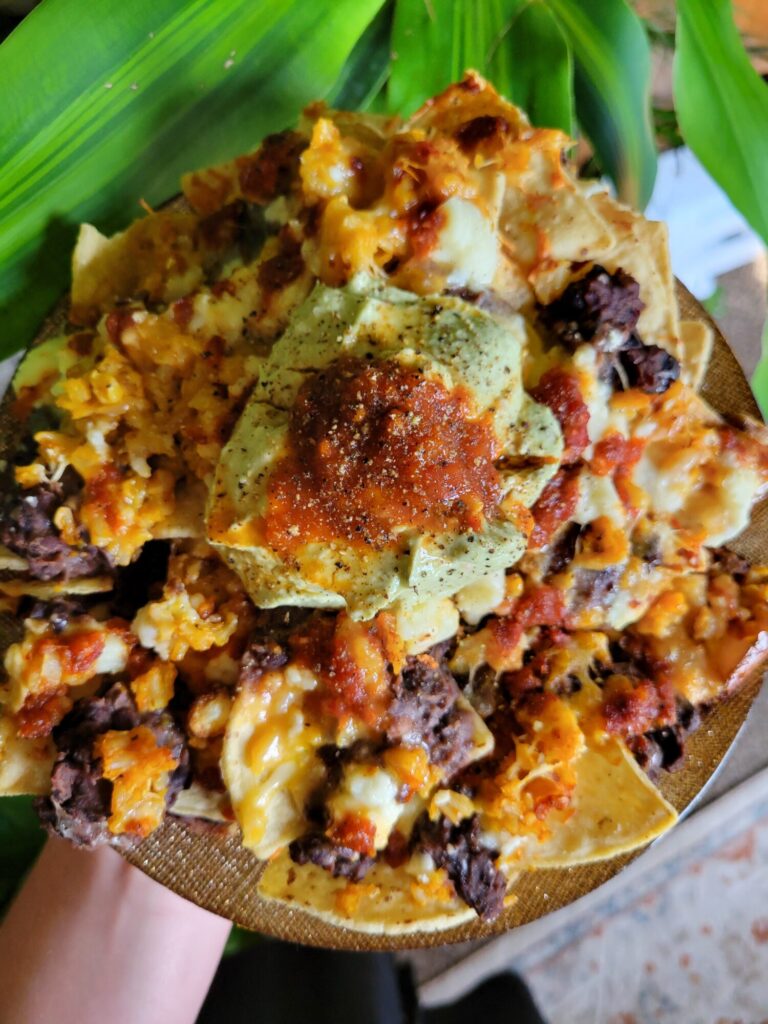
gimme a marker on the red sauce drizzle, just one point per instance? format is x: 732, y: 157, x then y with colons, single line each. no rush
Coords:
x: 615, y: 451
x: 288, y: 264
x: 349, y: 660
x: 117, y: 321
x: 531, y: 676
x: 424, y: 223
x: 271, y: 169
x: 77, y: 653
x: 482, y: 129
x: 560, y: 391
x: 555, y: 506
x: 100, y: 491
x: 375, y: 446
x: 41, y: 713
x: 543, y: 606
x: 630, y: 710
x: 356, y: 832
x: 182, y: 311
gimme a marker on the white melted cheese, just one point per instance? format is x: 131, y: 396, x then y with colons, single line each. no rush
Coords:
x: 481, y: 597
x: 421, y: 626
x: 467, y: 250
x: 371, y: 792
x: 603, y: 419
x: 114, y: 655
x: 598, y: 497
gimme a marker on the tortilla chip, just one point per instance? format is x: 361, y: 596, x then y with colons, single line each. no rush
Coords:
x: 106, y: 270
x: 642, y: 250
x: 543, y: 228
x: 45, y: 590
x: 198, y: 802
x: 25, y: 765
x: 462, y: 102
x: 696, y: 342
x: 389, y: 902
x: 187, y: 521
x: 268, y: 760
x: 10, y: 561
x: 616, y: 808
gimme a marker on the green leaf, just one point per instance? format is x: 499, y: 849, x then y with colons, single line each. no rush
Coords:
x: 435, y: 41
x: 534, y: 61
x: 365, y: 73
x: 105, y: 103
x: 21, y: 839
x: 240, y: 939
x: 612, y: 84
x: 722, y: 106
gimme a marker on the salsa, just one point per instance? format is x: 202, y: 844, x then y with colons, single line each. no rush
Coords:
x: 556, y: 505
x: 560, y: 391
x: 374, y: 447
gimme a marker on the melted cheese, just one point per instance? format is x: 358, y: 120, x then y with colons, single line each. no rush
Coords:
x: 467, y: 251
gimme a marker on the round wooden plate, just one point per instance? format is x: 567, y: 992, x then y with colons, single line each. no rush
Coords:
x: 213, y: 870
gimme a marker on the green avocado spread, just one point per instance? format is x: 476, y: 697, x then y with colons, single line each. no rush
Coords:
x: 386, y: 456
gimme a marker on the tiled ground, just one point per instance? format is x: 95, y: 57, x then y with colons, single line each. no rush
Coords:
x: 680, y: 938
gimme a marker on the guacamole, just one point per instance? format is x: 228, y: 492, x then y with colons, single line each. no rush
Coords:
x: 387, y: 454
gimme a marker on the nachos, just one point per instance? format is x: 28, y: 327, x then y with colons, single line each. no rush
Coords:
x: 367, y: 505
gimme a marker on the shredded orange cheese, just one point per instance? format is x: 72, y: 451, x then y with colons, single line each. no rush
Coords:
x: 138, y: 769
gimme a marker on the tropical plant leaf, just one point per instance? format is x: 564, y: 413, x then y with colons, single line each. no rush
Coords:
x: 365, y: 73
x: 722, y: 105
x: 612, y: 87
x: 435, y: 41
x: 20, y: 841
x: 106, y: 103
x: 534, y: 61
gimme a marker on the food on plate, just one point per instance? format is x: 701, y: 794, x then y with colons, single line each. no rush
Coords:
x: 367, y: 505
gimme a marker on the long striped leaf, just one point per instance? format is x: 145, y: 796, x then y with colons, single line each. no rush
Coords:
x: 20, y: 841
x: 612, y: 83
x: 362, y: 79
x: 722, y: 105
x: 535, y: 61
x: 105, y: 103
x: 435, y: 41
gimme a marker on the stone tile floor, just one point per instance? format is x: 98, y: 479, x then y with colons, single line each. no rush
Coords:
x: 681, y: 936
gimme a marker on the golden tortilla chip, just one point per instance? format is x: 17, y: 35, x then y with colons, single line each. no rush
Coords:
x: 545, y: 229
x: 641, y: 249
x: 268, y: 762
x: 106, y: 270
x: 615, y: 809
x: 696, y: 341
x: 270, y: 767
x: 462, y: 102
x: 197, y: 802
x: 45, y: 590
x: 25, y: 765
x: 10, y: 561
x: 390, y: 901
